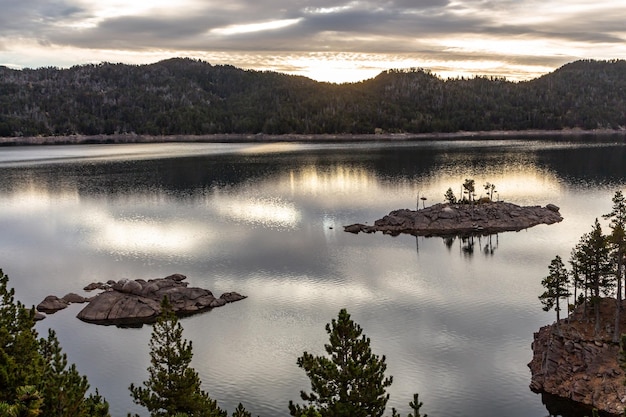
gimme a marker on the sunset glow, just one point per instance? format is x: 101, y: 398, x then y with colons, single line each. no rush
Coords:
x: 344, y: 42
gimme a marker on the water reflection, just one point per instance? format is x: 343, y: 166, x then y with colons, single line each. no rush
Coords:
x: 268, y: 212
x: 455, y: 325
x: 487, y: 244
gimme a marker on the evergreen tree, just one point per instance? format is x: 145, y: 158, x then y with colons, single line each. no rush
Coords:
x: 62, y: 388
x: 490, y: 188
x: 449, y: 196
x: 28, y: 403
x: 20, y: 362
x: 617, y: 241
x: 556, y: 285
x: 34, y: 374
x: 173, y: 386
x: 349, y: 383
x: 415, y: 405
x: 469, y: 187
x: 599, y: 268
x: 581, y: 271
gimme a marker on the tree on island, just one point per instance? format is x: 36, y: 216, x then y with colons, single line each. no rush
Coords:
x: 173, y: 387
x: 469, y: 187
x: 556, y: 285
x: 617, y: 245
x: 490, y: 188
x: 449, y: 196
x: 598, y: 267
x: 350, y: 382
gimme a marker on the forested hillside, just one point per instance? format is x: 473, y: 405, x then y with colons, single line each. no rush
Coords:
x: 184, y: 96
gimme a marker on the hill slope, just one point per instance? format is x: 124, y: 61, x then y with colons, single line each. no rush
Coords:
x: 184, y: 96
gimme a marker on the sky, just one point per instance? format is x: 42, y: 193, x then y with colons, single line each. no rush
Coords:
x: 334, y: 41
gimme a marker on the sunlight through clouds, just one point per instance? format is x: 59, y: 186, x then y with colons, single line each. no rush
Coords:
x: 337, y: 43
x: 254, y: 27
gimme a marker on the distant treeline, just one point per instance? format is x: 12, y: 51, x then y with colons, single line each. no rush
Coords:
x: 189, y: 97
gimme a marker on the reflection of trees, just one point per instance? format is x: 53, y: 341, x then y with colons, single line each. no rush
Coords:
x: 467, y: 244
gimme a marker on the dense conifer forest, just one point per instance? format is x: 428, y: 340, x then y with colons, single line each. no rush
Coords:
x: 189, y: 97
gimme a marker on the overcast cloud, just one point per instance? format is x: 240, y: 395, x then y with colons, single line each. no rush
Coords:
x: 325, y: 40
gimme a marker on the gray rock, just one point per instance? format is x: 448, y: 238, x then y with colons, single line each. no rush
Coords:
x: 94, y: 286
x: 74, y: 298
x: 465, y: 219
x: 553, y: 208
x: 51, y: 304
x: 232, y: 297
x: 134, y: 302
x: 131, y: 287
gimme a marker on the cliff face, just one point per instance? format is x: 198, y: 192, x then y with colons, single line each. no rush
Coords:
x: 579, y: 365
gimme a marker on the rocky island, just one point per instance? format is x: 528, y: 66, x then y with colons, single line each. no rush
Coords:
x: 576, y: 364
x: 477, y: 218
x: 135, y: 302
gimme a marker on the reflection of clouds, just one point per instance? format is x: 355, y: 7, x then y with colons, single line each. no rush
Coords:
x: 66, y: 213
x: 270, y: 212
x: 144, y: 235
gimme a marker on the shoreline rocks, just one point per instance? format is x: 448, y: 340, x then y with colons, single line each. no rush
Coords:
x: 479, y: 218
x: 577, y: 364
x: 136, y: 302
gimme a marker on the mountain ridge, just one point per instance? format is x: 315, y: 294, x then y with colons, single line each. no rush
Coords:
x: 182, y: 96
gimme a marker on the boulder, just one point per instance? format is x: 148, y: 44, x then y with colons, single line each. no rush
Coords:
x: 553, y: 208
x: 51, y: 304
x: 232, y: 297
x: 134, y: 302
x: 94, y: 286
x: 74, y: 298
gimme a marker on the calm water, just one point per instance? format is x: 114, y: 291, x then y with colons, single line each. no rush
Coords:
x: 455, y: 321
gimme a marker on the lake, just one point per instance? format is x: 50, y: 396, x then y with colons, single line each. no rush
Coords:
x: 455, y: 319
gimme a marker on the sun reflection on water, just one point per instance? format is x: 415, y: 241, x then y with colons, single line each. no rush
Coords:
x: 271, y: 212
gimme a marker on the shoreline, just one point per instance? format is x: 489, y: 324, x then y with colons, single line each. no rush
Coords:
x: 313, y: 138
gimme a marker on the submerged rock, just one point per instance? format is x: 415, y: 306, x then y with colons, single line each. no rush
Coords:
x: 462, y: 219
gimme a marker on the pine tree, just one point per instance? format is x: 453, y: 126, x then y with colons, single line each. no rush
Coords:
x: 617, y: 241
x: 599, y: 268
x: 449, y: 196
x: 34, y: 375
x: 351, y: 383
x: 63, y: 389
x: 28, y: 403
x: 556, y: 285
x: 20, y: 362
x: 173, y: 387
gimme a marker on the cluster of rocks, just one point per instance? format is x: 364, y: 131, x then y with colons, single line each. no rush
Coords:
x: 575, y: 363
x: 134, y: 302
x: 480, y: 218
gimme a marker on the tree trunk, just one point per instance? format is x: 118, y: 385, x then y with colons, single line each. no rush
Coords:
x: 618, y: 298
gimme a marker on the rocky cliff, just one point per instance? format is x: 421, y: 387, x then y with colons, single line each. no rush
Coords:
x: 576, y: 364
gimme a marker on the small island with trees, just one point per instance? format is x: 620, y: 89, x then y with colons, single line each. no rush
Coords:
x: 465, y: 216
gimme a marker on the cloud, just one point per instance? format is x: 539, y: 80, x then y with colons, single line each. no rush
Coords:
x: 268, y: 34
